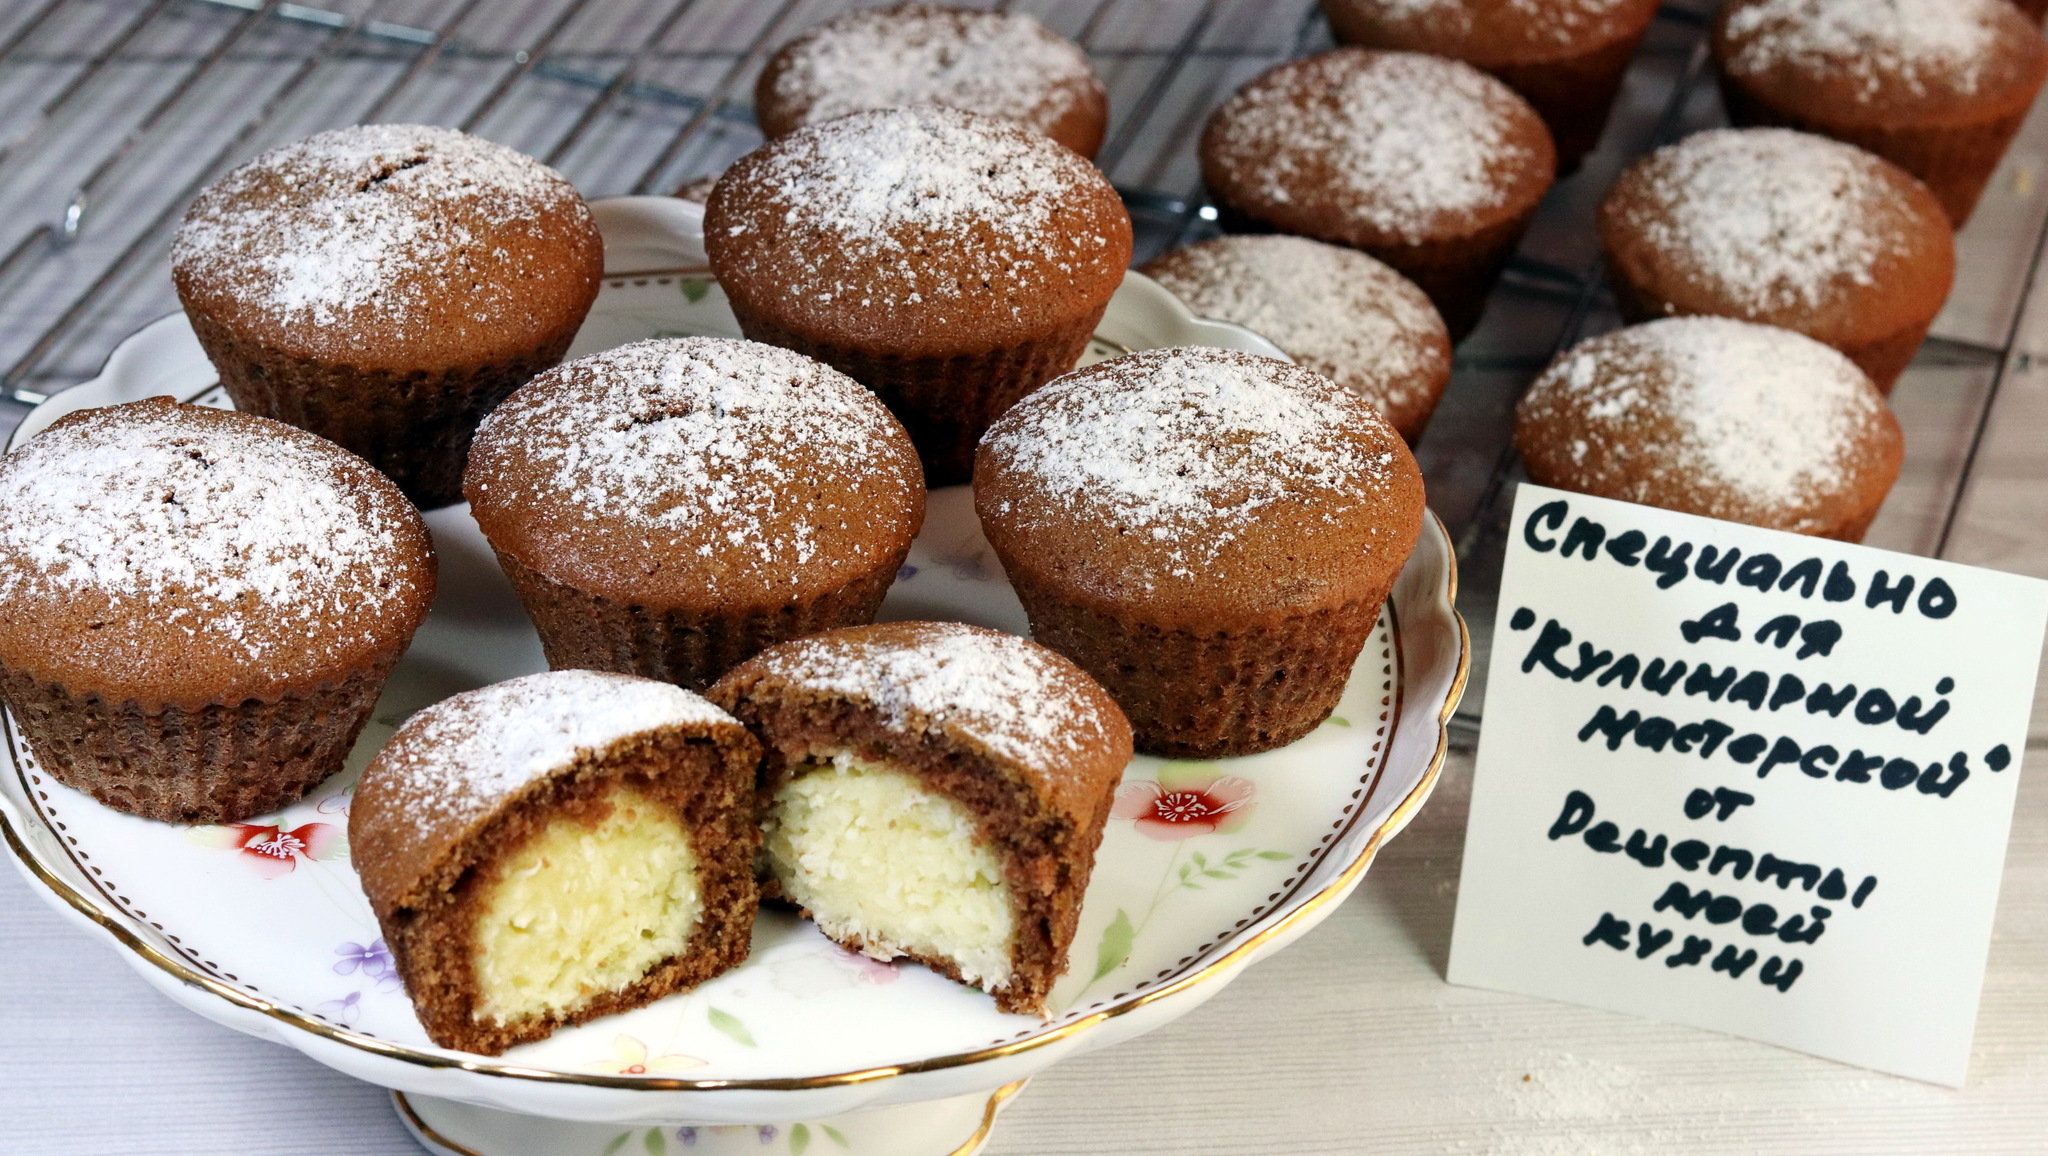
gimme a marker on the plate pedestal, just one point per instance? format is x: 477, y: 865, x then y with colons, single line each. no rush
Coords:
x: 955, y: 1127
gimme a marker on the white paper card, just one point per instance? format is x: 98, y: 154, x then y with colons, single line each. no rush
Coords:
x: 1746, y: 780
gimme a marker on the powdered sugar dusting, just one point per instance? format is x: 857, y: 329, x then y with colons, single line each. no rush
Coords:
x: 1405, y: 141
x: 1937, y: 45
x: 1335, y: 310
x: 1180, y: 444
x: 1001, y: 64
x: 1771, y: 218
x: 926, y: 204
x: 1013, y: 695
x: 229, y: 527
x: 343, y: 224
x: 460, y: 758
x: 1760, y: 419
x: 748, y: 451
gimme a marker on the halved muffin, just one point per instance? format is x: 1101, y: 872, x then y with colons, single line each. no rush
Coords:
x: 555, y: 848
x: 934, y: 791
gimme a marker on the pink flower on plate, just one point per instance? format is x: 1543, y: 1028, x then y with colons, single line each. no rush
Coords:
x: 1187, y: 800
x: 273, y: 851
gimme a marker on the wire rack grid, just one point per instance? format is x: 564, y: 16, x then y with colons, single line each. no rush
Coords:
x: 114, y: 113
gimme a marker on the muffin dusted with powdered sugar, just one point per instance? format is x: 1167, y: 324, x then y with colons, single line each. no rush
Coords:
x: 1566, y: 57
x: 1427, y: 164
x: 384, y: 286
x: 669, y: 507
x: 555, y: 848
x: 1723, y: 418
x: 1332, y: 309
x: 1937, y: 87
x: 1788, y: 229
x: 949, y: 261
x: 934, y: 791
x: 202, y: 605
x: 1209, y: 533
x: 1002, y: 64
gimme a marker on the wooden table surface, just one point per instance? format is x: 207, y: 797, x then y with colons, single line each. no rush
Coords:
x: 1349, y: 1041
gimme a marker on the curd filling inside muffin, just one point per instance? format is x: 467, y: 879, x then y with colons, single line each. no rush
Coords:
x: 584, y: 908
x: 880, y: 861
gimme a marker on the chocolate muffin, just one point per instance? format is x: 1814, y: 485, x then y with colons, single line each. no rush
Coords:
x: 1718, y: 417
x: 934, y: 791
x: 1333, y: 310
x: 1784, y: 228
x: 201, y: 605
x: 951, y: 262
x: 669, y: 507
x: 384, y: 286
x: 1002, y: 64
x: 1566, y: 57
x: 1937, y: 87
x: 1427, y: 164
x: 555, y: 848
x: 1209, y: 533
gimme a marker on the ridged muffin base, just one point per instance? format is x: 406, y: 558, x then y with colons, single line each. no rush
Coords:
x: 415, y: 427
x: 584, y: 631
x: 1210, y: 694
x: 219, y: 763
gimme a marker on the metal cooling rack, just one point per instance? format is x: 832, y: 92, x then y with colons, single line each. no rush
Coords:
x: 113, y: 113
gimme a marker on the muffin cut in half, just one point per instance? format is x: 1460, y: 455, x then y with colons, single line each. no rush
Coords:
x: 934, y: 791
x: 198, y: 607
x: 555, y: 848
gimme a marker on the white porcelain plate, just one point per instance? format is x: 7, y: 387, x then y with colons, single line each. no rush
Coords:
x: 261, y: 925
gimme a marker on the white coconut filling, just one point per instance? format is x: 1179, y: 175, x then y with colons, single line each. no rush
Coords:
x: 583, y: 909
x: 875, y: 857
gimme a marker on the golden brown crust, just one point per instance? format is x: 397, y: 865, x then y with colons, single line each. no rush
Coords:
x: 394, y: 248
x: 1332, y: 309
x: 997, y: 63
x: 1334, y: 147
x: 1717, y: 417
x: 384, y: 286
x: 1784, y: 229
x: 1252, y: 522
x: 1020, y: 738
x: 1566, y: 57
x: 232, y: 599
x: 1197, y: 528
x: 1007, y: 238
x: 1943, y: 113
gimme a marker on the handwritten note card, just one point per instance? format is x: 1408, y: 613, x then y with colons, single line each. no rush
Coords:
x: 1746, y: 780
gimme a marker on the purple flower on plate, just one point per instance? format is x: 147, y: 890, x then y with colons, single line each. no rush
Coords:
x: 767, y: 1133
x: 688, y: 1136
x: 344, y: 1010
x: 374, y: 959
x: 905, y: 572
